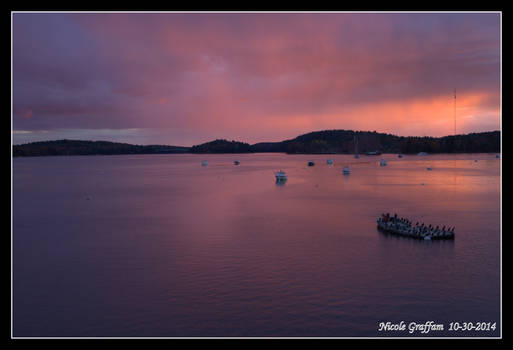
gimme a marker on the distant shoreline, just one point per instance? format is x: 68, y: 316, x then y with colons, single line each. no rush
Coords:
x: 206, y: 154
x: 328, y: 142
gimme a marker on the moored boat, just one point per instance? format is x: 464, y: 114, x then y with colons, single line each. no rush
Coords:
x: 373, y: 153
x: 280, y: 176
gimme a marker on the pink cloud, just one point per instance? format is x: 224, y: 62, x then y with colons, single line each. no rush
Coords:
x: 257, y: 76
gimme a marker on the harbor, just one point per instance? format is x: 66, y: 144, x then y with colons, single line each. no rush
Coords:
x: 215, y: 234
x: 256, y: 174
x: 393, y: 225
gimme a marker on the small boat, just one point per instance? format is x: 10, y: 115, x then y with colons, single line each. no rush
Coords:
x: 429, y: 168
x: 422, y: 154
x: 311, y: 163
x: 204, y: 163
x: 382, y: 162
x: 329, y: 161
x: 497, y: 156
x: 280, y: 176
x: 356, y: 156
x: 346, y: 170
x: 399, y: 155
x: 236, y: 162
x: 373, y: 153
x: 403, y: 227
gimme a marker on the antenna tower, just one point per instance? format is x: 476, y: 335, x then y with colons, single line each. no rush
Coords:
x: 455, y: 112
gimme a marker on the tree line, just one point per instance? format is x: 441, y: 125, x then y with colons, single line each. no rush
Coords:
x: 318, y: 142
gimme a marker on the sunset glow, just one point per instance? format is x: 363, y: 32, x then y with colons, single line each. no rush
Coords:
x: 183, y: 79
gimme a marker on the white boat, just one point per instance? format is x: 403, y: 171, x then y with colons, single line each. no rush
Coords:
x: 346, y: 170
x: 329, y: 161
x: 280, y: 176
x: 382, y: 162
x: 204, y: 163
x: 373, y: 153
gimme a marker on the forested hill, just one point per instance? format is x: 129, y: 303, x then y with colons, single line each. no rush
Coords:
x: 343, y: 141
x: 76, y: 147
x: 221, y: 146
x: 328, y: 141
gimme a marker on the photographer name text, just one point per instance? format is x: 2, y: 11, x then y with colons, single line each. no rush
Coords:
x: 431, y: 326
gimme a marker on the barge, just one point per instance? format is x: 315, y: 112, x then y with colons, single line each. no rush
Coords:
x: 404, y: 227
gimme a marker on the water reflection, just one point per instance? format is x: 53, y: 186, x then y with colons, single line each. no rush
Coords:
x: 163, y: 249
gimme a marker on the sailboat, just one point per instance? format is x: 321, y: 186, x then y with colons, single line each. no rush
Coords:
x: 356, y: 146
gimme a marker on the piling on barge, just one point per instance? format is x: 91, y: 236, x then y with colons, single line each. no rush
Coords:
x: 404, y: 227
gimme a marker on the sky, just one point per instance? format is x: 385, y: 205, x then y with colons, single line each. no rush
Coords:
x: 189, y: 78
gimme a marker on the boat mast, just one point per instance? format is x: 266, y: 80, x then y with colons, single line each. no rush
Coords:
x: 355, y: 145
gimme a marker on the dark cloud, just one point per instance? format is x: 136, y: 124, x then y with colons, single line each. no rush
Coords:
x: 250, y: 74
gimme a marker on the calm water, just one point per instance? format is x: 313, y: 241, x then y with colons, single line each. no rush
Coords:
x: 157, y: 245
